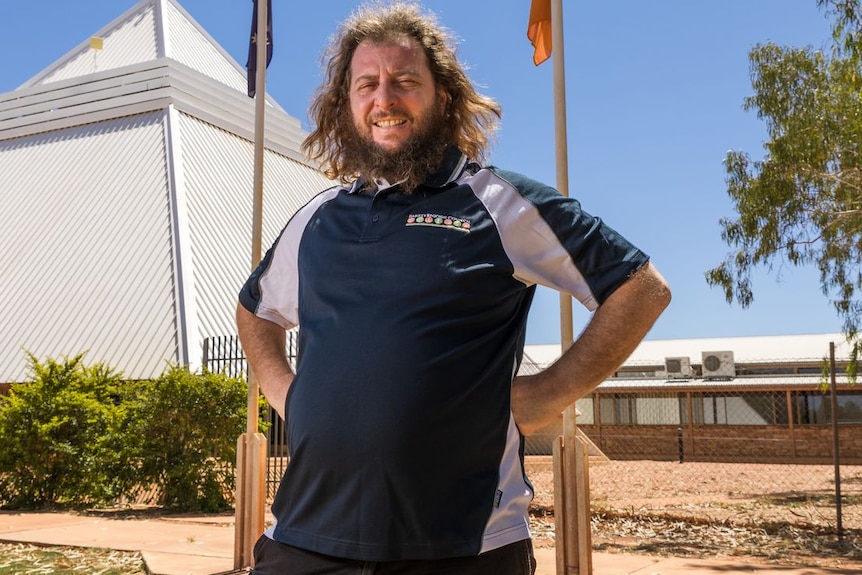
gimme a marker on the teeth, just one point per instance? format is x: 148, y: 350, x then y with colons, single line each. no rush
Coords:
x: 388, y: 123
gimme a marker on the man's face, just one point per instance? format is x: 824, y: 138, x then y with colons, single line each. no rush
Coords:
x: 392, y: 92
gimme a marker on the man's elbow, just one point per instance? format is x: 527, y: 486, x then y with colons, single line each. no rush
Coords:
x: 653, y: 291
x: 661, y: 290
x: 664, y: 288
x: 658, y: 298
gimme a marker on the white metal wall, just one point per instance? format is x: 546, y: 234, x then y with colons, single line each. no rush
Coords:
x: 87, y: 257
x: 218, y: 173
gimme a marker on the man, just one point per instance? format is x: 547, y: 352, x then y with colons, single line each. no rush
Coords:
x: 411, y: 285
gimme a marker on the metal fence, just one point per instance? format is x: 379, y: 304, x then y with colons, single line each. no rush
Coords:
x: 789, y: 423
x: 224, y: 354
x: 761, y: 449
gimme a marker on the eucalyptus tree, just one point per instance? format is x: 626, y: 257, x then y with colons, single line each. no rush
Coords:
x: 802, y: 202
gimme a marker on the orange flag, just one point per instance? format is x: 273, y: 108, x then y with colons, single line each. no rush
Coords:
x: 539, y: 30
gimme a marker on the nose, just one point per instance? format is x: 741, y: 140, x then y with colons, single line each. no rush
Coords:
x: 385, y: 96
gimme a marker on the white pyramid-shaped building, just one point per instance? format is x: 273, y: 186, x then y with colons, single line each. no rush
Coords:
x: 126, y: 176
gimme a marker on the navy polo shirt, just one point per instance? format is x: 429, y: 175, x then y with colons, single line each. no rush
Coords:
x: 412, y: 311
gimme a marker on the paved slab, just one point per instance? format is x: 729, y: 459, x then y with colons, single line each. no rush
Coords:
x: 172, y: 564
x: 168, y: 547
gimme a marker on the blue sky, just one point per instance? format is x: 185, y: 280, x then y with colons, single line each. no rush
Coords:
x: 654, y: 102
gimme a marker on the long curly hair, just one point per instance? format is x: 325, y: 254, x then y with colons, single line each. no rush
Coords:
x: 472, y: 118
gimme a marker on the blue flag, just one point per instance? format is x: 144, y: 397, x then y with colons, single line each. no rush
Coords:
x: 251, y: 65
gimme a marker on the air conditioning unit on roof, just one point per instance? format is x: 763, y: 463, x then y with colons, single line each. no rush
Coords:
x: 718, y: 365
x: 678, y: 367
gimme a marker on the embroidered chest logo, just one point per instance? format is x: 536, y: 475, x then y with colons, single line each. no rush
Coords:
x: 436, y: 220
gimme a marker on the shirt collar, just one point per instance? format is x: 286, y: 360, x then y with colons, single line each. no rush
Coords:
x: 450, y: 169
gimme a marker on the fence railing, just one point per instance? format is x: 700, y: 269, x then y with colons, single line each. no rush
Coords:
x: 760, y: 444
x: 224, y: 354
x: 785, y: 424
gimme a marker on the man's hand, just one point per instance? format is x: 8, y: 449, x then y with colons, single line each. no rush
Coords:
x: 613, y: 333
x: 263, y: 343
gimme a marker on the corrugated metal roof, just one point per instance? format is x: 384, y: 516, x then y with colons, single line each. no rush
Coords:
x: 719, y: 385
x: 748, y: 349
x: 150, y: 30
x: 128, y: 193
x: 811, y: 347
x: 191, y: 45
x: 776, y: 350
x: 130, y: 39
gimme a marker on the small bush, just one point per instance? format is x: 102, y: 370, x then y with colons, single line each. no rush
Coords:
x: 79, y: 436
x: 182, y: 434
x: 59, y: 432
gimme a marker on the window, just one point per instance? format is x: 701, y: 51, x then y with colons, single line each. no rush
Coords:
x: 584, y: 405
x: 815, y: 407
x: 618, y: 409
x: 739, y: 408
x: 642, y: 409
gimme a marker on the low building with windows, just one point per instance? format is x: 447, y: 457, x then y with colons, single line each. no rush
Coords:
x: 764, y: 399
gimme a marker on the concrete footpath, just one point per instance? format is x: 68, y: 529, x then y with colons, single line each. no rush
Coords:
x: 203, y: 545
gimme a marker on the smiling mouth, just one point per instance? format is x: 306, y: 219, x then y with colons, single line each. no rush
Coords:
x: 389, y: 123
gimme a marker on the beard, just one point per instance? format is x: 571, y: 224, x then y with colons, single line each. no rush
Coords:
x: 410, y: 164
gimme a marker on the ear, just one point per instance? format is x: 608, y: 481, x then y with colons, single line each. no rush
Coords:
x: 443, y: 97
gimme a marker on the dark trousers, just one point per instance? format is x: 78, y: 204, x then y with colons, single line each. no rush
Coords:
x: 275, y: 558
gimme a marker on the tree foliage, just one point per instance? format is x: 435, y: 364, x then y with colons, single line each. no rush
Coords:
x: 802, y: 203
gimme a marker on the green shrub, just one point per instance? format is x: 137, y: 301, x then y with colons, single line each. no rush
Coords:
x: 78, y: 436
x: 182, y: 433
x: 59, y: 433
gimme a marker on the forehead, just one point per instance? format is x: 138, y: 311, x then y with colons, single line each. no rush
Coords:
x: 401, y: 54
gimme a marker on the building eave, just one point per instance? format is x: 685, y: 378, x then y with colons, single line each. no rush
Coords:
x: 140, y: 88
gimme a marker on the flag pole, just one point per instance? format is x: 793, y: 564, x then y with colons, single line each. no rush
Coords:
x: 574, y: 547
x: 561, y: 148
x: 251, y: 446
x: 257, y: 207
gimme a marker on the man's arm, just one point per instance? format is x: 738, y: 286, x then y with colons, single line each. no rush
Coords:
x: 263, y: 343
x: 613, y: 333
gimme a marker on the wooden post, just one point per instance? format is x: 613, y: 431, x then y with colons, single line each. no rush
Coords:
x: 571, y: 477
x: 250, y: 496
x: 582, y: 493
x: 572, y: 531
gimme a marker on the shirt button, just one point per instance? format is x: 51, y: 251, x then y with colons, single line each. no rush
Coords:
x: 375, y: 218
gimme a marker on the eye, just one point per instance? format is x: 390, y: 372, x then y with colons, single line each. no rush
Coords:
x: 365, y: 86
